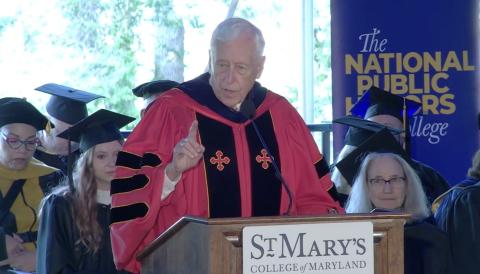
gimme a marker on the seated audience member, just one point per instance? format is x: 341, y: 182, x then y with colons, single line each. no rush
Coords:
x: 385, y: 108
x: 386, y: 182
x: 23, y: 182
x: 457, y: 215
x: 442, y: 204
x: 462, y: 222
x: 65, y: 107
x: 151, y: 90
x: 199, y: 145
x: 74, y: 234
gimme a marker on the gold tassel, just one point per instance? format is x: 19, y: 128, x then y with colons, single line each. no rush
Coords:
x: 48, y: 127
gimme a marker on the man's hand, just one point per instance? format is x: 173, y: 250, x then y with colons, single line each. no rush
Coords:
x: 186, y: 154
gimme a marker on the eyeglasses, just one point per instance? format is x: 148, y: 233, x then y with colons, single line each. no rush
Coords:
x: 395, y: 181
x: 15, y: 143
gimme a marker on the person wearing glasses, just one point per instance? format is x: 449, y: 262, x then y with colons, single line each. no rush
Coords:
x: 23, y: 182
x: 386, y: 182
x: 394, y: 111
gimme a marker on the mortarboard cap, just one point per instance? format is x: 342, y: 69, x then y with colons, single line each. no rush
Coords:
x: 377, y: 101
x: 148, y: 89
x: 382, y: 141
x: 361, y: 129
x: 17, y: 110
x: 67, y: 104
x: 101, y: 127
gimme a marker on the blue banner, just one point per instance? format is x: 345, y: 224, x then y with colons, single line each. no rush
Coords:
x: 424, y: 50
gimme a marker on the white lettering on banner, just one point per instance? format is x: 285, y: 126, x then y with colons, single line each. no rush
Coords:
x: 336, y: 248
x: 432, y: 131
x: 428, y: 77
x: 371, y: 42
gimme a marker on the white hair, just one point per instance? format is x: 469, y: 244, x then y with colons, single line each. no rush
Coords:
x: 337, y: 178
x: 231, y: 28
x: 415, y: 203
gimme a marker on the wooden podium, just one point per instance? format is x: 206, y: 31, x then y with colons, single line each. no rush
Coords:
x: 214, y: 246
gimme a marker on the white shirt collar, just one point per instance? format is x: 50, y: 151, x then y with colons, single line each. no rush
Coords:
x: 103, y: 197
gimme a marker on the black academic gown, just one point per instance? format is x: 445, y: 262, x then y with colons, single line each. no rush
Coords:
x: 433, y: 183
x: 463, y: 228
x: 57, y: 252
x: 446, y: 201
x: 57, y: 161
x: 426, y: 249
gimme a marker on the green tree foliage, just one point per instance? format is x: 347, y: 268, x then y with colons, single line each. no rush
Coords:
x: 6, y: 21
x: 169, y: 39
x: 103, y: 34
x: 322, y: 62
x: 107, y: 46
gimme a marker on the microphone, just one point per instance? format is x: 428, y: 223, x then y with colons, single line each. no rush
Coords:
x: 247, y: 109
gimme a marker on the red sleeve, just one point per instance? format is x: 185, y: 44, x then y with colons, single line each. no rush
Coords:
x: 138, y: 214
x: 306, y: 169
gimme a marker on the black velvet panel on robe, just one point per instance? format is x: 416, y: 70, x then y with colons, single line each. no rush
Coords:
x: 221, y: 167
x: 223, y: 185
x: 266, y: 187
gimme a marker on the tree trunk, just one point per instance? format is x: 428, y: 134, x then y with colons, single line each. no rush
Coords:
x: 169, y: 49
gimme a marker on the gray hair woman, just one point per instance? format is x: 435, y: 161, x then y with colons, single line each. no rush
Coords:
x: 387, y: 181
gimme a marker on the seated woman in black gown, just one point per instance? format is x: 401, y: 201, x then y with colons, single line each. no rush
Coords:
x: 386, y: 182
x: 74, y: 234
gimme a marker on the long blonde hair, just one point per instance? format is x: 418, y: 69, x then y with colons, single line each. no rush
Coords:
x: 84, y: 200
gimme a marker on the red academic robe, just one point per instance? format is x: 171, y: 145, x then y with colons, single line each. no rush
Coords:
x: 216, y: 187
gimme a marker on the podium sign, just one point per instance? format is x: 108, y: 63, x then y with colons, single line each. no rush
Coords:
x: 333, y: 248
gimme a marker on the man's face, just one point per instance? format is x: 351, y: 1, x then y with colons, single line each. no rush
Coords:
x: 390, y: 121
x: 234, y: 67
x: 56, y: 144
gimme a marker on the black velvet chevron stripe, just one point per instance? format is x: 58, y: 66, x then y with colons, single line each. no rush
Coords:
x: 222, y: 178
x: 129, y: 212
x: 266, y: 187
x: 333, y: 193
x: 151, y: 160
x: 122, y: 185
x: 132, y: 161
x: 322, y: 168
x: 129, y: 160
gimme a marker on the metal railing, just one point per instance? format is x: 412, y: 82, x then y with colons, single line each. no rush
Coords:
x: 325, y: 142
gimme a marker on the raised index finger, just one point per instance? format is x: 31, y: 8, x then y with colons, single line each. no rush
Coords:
x: 192, y: 132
